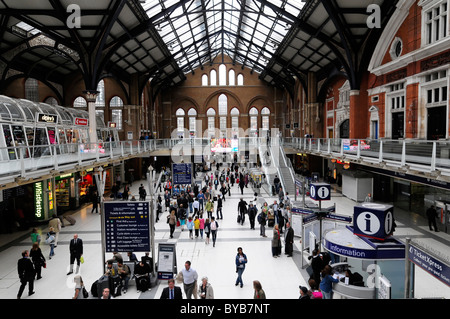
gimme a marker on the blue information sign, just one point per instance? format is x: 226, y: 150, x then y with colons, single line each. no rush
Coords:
x: 430, y: 264
x: 182, y: 173
x: 127, y: 226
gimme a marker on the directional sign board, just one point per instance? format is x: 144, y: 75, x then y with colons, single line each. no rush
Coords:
x: 182, y: 173
x: 320, y: 191
x: 127, y: 226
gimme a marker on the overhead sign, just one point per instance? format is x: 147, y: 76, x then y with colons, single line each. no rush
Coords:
x: 320, y: 191
x: 182, y: 173
x: 45, y: 118
x: 374, y: 220
x: 80, y: 121
x: 127, y: 226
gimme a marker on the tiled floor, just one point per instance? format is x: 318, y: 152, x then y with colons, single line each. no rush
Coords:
x: 280, y: 277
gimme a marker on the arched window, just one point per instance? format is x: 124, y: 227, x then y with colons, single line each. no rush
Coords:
x: 116, y: 105
x: 51, y: 100
x: 240, y: 79
x: 253, y: 119
x: 100, y: 101
x: 234, y: 122
x: 213, y: 77
x: 180, y: 120
x: 80, y: 102
x: 204, y: 80
x: 32, y: 90
x: 223, y: 112
x: 265, y: 113
x: 222, y: 74
x: 231, y: 77
x: 192, y: 114
x: 211, y: 114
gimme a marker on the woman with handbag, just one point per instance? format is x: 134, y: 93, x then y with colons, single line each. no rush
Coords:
x: 172, y: 221
x: 80, y: 290
x: 38, y: 259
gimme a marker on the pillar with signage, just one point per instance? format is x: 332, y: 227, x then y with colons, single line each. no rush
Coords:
x: 44, y: 200
x: 91, y: 96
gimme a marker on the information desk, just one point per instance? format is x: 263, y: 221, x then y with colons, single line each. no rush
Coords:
x: 380, y: 263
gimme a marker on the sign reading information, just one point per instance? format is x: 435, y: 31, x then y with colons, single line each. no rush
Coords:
x: 127, y: 226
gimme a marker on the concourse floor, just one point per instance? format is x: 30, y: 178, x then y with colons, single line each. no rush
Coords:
x: 280, y: 277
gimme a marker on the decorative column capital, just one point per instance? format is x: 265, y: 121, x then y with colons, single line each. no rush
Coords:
x: 91, y: 95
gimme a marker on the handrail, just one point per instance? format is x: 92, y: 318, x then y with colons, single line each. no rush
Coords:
x: 407, y: 154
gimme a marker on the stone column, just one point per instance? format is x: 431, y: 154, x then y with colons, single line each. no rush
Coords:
x: 91, y: 96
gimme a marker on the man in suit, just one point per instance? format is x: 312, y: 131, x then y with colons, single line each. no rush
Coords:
x: 26, y: 272
x: 76, y: 251
x: 289, y: 240
x: 171, y: 292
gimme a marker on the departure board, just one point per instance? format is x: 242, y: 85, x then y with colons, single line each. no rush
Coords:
x: 127, y: 226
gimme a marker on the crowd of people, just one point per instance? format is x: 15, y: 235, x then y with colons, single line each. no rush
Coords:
x: 197, y: 208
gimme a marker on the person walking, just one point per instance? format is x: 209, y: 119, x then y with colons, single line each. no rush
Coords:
x: 76, y: 251
x: 172, y: 221
x: 219, y: 207
x: 202, y: 225
x: 35, y: 236
x: 51, y: 240
x: 206, y: 291
x: 196, y: 226
x: 190, y: 227
x: 38, y: 259
x: 95, y: 201
x: 242, y: 210
x: 240, y: 260
x: 259, y: 292
x: 209, y: 208
x: 172, y: 291
x: 55, y: 222
x: 214, y: 226
x: 26, y: 272
x: 432, y: 215
x: 190, y: 277
x: 207, y: 229
x: 252, y: 212
x: 289, y: 240
x: 79, y: 285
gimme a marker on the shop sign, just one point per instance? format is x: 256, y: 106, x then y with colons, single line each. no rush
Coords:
x: 45, y: 118
x: 80, y: 121
x: 39, y: 200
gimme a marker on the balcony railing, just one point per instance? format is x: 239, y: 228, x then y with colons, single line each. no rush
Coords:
x: 419, y: 155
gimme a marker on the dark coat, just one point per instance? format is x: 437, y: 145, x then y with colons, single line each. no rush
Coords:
x: 177, y: 293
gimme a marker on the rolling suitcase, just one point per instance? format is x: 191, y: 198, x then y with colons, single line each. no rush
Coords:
x: 115, y: 286
x: 70, y: 219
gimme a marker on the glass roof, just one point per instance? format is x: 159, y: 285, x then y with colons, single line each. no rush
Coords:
x: 248, y: 31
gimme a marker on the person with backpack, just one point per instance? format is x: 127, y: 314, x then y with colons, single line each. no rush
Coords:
x: 262, y: 219
x: 213, y: 226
